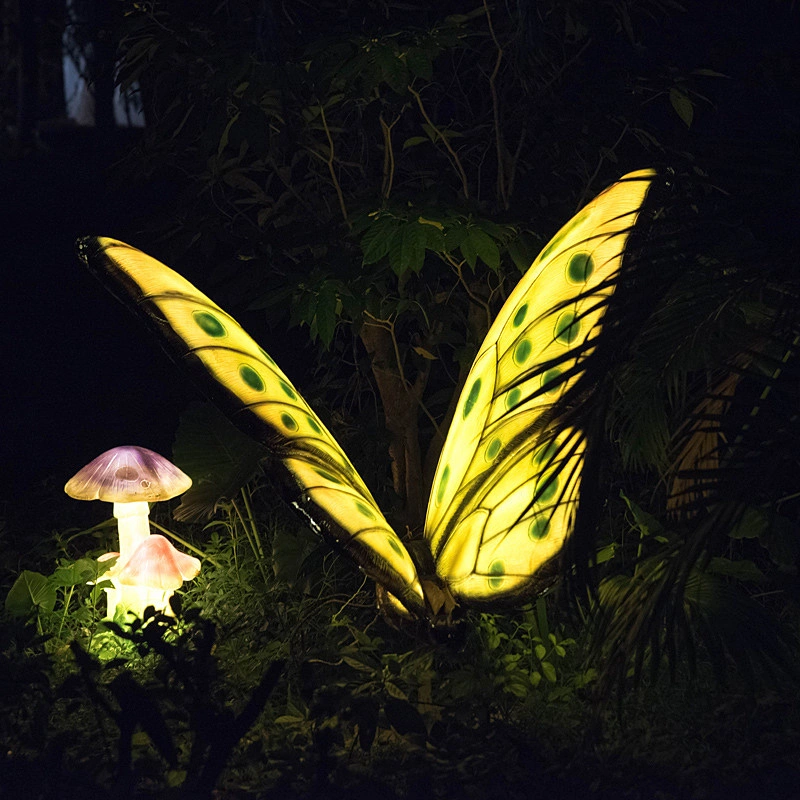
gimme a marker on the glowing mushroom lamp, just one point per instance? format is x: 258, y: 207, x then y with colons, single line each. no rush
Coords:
x: 130, y: 477
x: 153, y: 573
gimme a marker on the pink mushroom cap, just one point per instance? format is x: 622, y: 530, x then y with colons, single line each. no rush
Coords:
x: 156, y: 564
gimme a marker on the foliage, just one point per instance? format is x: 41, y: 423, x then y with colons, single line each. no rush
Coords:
x: 173, y: 707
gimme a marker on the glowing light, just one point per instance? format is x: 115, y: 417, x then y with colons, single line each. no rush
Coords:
x: 130, y: 477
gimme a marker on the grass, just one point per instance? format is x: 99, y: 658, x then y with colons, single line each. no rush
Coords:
x: 277, y: 678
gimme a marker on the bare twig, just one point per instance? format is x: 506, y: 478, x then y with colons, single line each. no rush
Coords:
x: 502, y: 187
x: 453, y: 155
x: 331, y: 170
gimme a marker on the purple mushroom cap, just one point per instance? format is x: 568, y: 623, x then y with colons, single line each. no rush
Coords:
x: 128, y: 474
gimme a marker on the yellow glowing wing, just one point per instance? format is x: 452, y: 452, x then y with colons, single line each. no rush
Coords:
x: 324, y: 485
x: 507, y: 484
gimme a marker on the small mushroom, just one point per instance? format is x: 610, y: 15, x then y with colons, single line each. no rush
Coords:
x: 130, y: 477
x: 153, y: 573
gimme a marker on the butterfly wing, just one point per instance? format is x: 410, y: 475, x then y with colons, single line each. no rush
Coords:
x: 508, y: 479
x: 322, y: 483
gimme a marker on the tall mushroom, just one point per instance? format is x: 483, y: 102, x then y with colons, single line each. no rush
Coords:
x: 130, y: 477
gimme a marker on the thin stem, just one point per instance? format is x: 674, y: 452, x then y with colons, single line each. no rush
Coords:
x: 251, y: 518
x: 67, y: 601
x: 251, y: 532
x: 186, y: 544
x: 472, y: 296
x: 502, y: 189
x: 407, y: 385
x: 388, y: 157
x: 331, y: 170
x: 603, y: 156
x: 453, y: 154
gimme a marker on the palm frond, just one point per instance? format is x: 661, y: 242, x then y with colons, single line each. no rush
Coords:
x: 665, y: 613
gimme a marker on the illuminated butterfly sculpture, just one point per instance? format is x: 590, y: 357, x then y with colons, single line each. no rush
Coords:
x: 506, y: 489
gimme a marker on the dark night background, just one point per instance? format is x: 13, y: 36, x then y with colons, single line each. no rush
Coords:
x: 78, y: 376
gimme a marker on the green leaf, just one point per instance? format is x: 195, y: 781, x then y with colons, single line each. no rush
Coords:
x: 217, y: 456
x: 395, y: 244
x: 549, y: 671
x: 469, y: 252
x: 646, y: 523
x: 31, y: 590
x: 426, y: 354
x: 540, y: 651
x: 393, y: 690
x: 413, y: 141
x: 223, y: 140
x: 79, y: 572
x: 419, y: 62
x: 743, y: 570
x: 325, y: 315
x: 375, y: 242
x: 522, y: 250
x: 682, y: 105
x: 413, y: 247
x: 392, y: 68
x: 485, y: 247
x: 454, y: 235
x: 434, y: 238
x: 289, y: 551
x: 358, y: 665
x: 606, y: 553
x: 518, y: 687
x: 751, y: 524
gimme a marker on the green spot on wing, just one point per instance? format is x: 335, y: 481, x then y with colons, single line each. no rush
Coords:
x: 442, y: 488
x: 395, y: 545
x: 551, y: 377
x: 522, y: 351
x: 312, y: 423
x: 327, y: 475
x: 580, y: 267
x: 251, y: 378
x: 545, y: 453
x: 513, y: 397
x: 546, y: 488
x: 538, y: 528
x: 567, y: 328
x: 209, y: 324
x: 519, y: 317
x: 472, y: 398
x: 497, y: 570
x: 287, y: 390
x: 365, y: 510
x: 493, y: 449
x: 289, y: 422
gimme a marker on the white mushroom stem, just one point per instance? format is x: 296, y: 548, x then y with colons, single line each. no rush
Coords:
x: 133, y: 524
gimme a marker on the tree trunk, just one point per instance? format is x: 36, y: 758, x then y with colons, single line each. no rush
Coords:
x: 401, y: 410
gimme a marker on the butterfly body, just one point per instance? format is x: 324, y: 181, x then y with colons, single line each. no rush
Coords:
x: 507, y: 485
